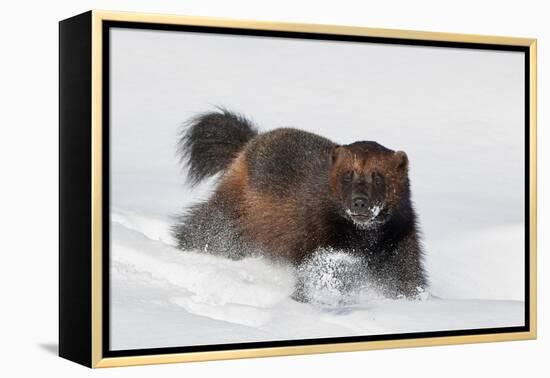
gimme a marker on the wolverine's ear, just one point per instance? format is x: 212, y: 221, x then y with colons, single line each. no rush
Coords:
x: 402, y: 160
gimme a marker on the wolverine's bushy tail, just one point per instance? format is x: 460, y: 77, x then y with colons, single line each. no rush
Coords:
x: 211, y: 140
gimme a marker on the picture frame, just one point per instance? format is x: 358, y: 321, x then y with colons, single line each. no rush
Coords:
x: 85, y: 108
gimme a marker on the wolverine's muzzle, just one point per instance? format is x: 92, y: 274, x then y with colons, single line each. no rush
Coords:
x: 359, y: 206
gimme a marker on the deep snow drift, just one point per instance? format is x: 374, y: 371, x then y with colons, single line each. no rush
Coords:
x: 164, y: 297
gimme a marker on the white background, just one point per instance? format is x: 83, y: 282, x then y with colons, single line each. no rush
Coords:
x: 29, y: 157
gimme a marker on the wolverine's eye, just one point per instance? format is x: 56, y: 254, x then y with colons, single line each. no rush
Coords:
x: 348, y: 176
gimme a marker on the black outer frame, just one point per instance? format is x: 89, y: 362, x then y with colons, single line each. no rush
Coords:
x: 75, y: 188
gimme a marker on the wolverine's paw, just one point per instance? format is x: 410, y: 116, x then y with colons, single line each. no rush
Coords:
x: 422, y: 294
x: 419, y: 293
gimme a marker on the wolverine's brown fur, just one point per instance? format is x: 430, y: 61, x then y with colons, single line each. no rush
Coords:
x: 267, y: 218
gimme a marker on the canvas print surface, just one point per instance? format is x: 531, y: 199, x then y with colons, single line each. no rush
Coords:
x: 267, y: 189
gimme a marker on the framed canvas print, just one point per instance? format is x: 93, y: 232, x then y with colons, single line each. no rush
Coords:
x: 234, y: 189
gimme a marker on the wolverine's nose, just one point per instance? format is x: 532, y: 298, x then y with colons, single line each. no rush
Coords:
x: 359, y: 205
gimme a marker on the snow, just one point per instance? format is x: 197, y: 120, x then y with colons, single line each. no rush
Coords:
x: 375, y: 211
x: 330, y: 277
x: 458, y: 114
x: 483, y: 264
x: 164, y: 297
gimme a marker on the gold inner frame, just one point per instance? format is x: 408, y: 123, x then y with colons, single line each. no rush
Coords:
x: 97, y: 248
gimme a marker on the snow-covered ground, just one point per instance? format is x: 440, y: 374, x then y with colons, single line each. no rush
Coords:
x: 164, y: 297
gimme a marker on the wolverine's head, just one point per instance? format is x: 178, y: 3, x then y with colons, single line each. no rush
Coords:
x: 368, y: 181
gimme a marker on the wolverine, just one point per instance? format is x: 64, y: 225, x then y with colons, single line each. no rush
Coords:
x: 287, y: 193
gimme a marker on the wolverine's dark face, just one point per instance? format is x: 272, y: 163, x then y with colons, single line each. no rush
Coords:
x: 368, y: 180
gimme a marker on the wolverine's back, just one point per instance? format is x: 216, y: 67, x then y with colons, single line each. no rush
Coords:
x: 282, y: 160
